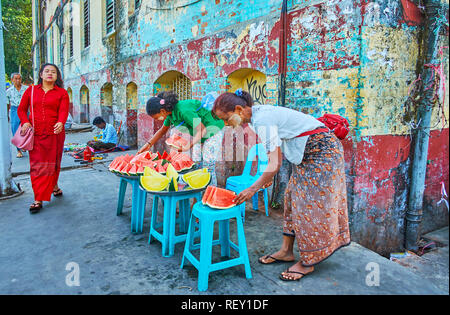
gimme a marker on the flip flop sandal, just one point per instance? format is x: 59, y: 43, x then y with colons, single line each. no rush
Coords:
x: 275, y: 261
x: 289, y: 271
x: 35, y: 207
x: 57, y: 193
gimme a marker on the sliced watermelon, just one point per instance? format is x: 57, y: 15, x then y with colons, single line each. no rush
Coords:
x: 127, y: 157
x: 165, y: 155
x: 207, y: 192
x: 140, y: 170
x: 126, y: 170
x: 144, y: 155
x: 219, y: 198
x: 133, y: 170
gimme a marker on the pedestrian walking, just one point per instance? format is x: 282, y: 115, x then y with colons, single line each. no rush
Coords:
x: 13, y: 96
x: 49, y: 113
x: 315, y: 211
x: 188, y: 117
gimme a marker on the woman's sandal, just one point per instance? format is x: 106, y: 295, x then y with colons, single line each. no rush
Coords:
x: 284, y: 278
x: 275, y: 261
x: 57, y: 192
x: 35, y: 207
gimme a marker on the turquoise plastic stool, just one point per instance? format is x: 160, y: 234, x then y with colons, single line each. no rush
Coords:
x: 207, y: 217
x: 138, y: 201
x: 244, y: 181
x: 168, y: 238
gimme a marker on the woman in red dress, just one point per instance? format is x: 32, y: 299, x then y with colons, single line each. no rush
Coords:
x: 50, y: 111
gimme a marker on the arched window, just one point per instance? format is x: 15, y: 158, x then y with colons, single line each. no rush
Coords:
x: 84, y: 104
x: 106, y: 101
x: 132, y: 106
x: 176, y: 81
x: 252, y: 81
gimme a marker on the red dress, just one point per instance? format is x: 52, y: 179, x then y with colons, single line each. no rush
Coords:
x: 45, y: 158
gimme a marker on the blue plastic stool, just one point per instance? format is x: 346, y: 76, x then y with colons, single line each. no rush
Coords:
x: 168, y: 238
x: 244, y: 181
x: 207, y: 217
x: 138, y: 201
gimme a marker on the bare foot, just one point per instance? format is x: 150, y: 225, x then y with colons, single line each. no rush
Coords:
x: 296, y: 272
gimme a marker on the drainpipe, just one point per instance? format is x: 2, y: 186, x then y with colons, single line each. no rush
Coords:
x: 278, y: 186
x: 7, y: 185
x: 422, y: 135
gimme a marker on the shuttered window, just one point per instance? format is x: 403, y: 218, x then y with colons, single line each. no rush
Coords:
x: 110, y: 13
x: 86, y: 19
x: 70, y: 41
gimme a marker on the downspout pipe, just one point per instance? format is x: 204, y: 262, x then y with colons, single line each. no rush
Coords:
x: 419, y: 164
x: 282, y: 69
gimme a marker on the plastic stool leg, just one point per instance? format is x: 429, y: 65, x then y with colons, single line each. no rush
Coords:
x: 243, y: 248
x: 153, y: 220
x: 134, y: 208
x: 172, y: 223
x: 255, y: 202
x: 206, y: 230
x: 166, y: 226
x: 242, y: 208
x: 122, y: 190
x: 266, y: 201
x: 189, y: 239
x: 224, y: 237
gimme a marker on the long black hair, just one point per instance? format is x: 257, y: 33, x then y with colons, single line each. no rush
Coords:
x: 165, y: 100
x: 59, y: 82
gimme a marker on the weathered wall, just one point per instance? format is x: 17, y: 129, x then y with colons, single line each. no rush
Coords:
x: 357, y: 58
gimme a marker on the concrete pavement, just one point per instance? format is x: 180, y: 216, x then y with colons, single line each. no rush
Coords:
x: 82, y: 228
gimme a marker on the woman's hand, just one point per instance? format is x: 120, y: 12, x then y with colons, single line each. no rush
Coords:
x: 25, y: 127
x: 245, y: 195
x: 144, y: 148
x: 58, y: 128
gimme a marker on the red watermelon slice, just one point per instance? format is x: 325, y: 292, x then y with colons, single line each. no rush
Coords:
x: 133, y: 170
x: 219, y: 198
x: 176, y: 141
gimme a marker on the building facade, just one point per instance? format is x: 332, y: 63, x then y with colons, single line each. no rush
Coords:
x: 360, y: 59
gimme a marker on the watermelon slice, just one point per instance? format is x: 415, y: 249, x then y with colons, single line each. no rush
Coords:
x: 133, y: 170
x: 207, y: 192
x: 165, y: 155
x: 126, y: 169
x: 219, y: 198
x: 127, y: 157
x: 140, y: 170
x: 113, y: 165
x: 176, y: 141
x: 141, y: 156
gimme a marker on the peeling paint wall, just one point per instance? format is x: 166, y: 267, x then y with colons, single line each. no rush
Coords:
x: 356, y: 58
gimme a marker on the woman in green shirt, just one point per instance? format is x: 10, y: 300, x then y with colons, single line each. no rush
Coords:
x: 188, y: 117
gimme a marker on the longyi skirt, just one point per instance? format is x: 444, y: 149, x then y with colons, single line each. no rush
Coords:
x: 315, y: 210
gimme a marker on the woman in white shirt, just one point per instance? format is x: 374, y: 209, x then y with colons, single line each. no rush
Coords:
x: 315, y: 208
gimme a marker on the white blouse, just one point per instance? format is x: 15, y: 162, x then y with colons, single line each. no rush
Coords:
x: 278, y: 126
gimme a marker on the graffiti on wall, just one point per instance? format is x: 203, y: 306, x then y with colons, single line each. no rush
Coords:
x: 256, y: 89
